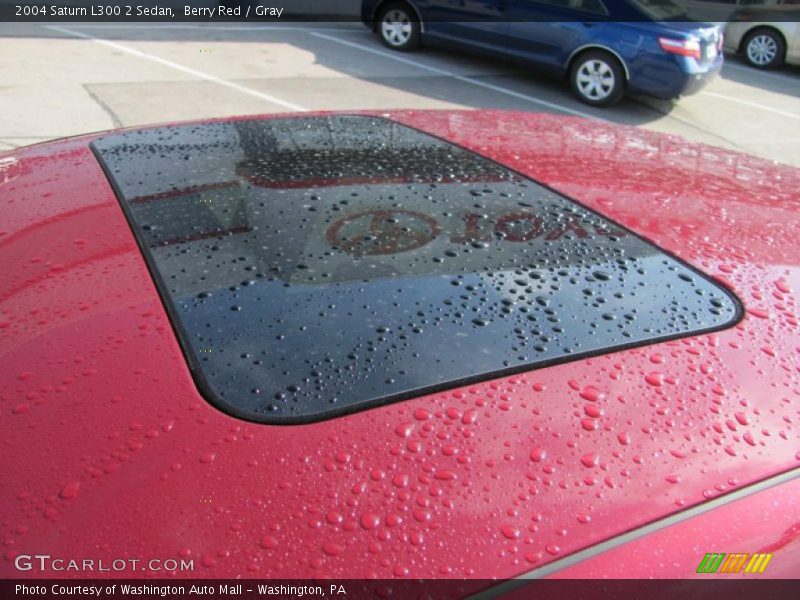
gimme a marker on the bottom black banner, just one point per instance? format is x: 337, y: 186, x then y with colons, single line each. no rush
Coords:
x: 432, y: 589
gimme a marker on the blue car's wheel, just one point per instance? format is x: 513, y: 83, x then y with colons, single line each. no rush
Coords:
x: 398, y: 27
x: 597, y: 78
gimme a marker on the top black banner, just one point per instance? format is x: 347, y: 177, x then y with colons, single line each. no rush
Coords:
x: 590, y: 12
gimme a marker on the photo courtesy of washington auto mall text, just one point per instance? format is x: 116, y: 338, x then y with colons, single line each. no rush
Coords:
x: 249, y: 590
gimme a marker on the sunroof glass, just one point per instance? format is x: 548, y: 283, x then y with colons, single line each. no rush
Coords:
x: 318, y: 266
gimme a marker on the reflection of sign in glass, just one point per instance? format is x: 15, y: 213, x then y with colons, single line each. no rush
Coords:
x: 374, y: 232
x: 392, y: 231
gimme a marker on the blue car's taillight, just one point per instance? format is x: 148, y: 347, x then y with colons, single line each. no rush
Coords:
x: 690, y: 47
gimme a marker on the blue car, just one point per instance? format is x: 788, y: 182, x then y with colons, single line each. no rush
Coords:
x: 605, y: 48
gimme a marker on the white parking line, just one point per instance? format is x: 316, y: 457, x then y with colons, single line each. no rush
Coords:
x: 783, y: 113
x: 458, y: 77
x: 756, y: 72
x: 168, y: 63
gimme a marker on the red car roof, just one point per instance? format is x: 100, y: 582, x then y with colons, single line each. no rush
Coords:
x: 110, y: 450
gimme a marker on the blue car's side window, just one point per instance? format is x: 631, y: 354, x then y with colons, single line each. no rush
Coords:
x: 558, y: 3
x: 594, y: 7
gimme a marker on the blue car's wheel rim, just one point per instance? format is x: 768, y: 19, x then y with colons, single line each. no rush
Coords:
x: 396, y: 27
x: 595, y: 80
x: 762, y: 49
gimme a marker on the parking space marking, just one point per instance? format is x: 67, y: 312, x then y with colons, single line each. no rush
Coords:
x: 783, y: 113
x: 178, y: 67
x: 753, y: 71
x: 458, y: 77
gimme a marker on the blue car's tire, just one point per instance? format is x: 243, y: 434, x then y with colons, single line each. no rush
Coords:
x: 398, y: 27
x: 597, y: 78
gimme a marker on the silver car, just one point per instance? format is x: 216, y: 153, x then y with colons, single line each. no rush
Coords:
x: 766, y: 36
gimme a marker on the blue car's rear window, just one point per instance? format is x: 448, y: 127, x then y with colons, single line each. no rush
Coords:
x: 316, y: 266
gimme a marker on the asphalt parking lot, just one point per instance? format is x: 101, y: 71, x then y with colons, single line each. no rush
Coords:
x: 59, y: 80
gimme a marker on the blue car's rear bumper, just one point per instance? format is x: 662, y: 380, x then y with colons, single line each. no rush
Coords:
x: 681, y: 77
